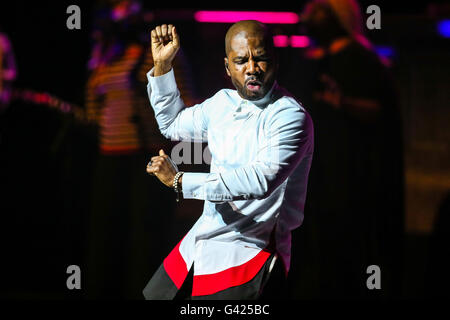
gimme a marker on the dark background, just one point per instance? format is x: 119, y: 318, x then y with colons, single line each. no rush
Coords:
x: 46, y: 156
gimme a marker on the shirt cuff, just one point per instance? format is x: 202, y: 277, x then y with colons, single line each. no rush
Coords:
x: 203, y: 186
x: 163, y: 84
x: 192, y: 185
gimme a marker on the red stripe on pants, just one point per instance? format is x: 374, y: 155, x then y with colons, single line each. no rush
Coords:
x: 234, y: 276
x: 175, y: 266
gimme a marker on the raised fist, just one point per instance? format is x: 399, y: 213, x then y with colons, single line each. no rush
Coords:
x: 165, y: 45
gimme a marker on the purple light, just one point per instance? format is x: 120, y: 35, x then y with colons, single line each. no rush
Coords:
x: 234, y: 16
x: 444, y: 28
x: 299, y: 41
x: 281, y: 41
x: 385, y: 51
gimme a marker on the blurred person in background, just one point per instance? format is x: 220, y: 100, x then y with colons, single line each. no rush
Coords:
x: 8, y: 70
x: 126, y: 223
x: 356, y: 184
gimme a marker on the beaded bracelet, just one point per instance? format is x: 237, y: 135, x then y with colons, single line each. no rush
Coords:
x: 176, y: 186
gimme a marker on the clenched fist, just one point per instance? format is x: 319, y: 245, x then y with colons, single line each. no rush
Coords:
x: 165, y: 45
x: 163, y: 168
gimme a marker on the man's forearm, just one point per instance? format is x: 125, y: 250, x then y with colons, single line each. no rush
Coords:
x: 161, y: 68
x: 165, y: 100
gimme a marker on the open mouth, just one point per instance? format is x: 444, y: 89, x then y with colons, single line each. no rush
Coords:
x: 253, y: 85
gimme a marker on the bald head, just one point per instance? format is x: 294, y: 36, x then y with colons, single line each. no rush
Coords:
x: 247, y: 28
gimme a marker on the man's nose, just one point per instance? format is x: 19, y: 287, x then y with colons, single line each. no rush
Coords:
x: 252, y: 67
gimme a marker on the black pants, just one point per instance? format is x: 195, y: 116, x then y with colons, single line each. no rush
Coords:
x: 264, y: 286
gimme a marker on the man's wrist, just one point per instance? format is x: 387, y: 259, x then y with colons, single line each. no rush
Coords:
x: 161, y: 68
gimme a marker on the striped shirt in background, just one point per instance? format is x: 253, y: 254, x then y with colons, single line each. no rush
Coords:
x: 116, y: 99
x: 8, y: 70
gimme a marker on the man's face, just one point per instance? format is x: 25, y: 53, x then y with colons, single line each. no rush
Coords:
x: 250, y: 66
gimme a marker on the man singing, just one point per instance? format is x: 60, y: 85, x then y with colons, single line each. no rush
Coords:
x: 261, y: 142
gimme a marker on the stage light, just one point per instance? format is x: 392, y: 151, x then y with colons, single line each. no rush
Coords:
x: 443, y: 27
x: 234, y: 16
x: 281, y: 41
x: 295, y: 41
x: 385, y: 51
x: 299, y: 41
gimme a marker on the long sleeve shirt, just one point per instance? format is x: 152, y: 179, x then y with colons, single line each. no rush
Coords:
x: 254, y: 195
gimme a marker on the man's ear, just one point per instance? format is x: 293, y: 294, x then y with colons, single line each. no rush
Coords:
x: 226, y: 66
